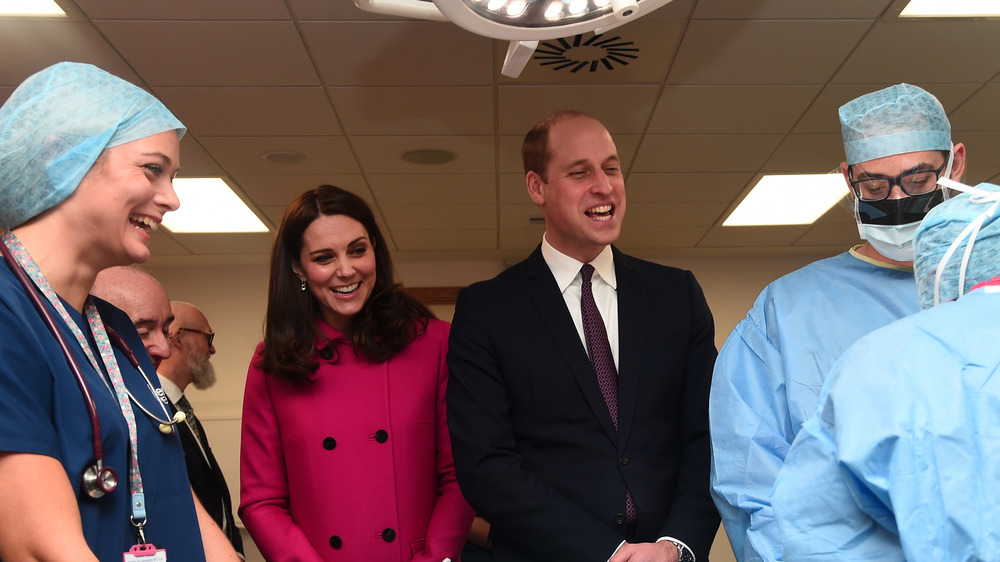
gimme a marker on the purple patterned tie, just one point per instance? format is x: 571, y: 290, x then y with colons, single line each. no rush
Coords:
x: 602, y: 361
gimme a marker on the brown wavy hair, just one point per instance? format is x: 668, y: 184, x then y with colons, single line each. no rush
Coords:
x: 389, y: 320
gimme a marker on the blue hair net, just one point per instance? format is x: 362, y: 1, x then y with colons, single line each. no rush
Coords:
x: 895, y: 120
x: 954, y: 220
x: 56, y: 124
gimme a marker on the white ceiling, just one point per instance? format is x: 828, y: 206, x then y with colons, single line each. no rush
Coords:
x: 719, y: 92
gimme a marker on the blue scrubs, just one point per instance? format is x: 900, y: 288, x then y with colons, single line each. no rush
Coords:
x: 44, y: 413
x: 900, y: 462
x: 769, y: 374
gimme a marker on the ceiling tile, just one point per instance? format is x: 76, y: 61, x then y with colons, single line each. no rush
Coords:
x: 214, y: 53
x: 945, y: 53
x: 196, y: 162
x: 456, y: 110
x: 424, y: 189
x: 622, y: 109
x: 278, y: 189
x: 324, y: 155
x: 185, y: 10
x: 513, y: 189
x: 980, y: 112
x: 730, y: 109
x: 653, y: 215
x: 757, y: 52
x: 831, y: 234
x: 383, y: 155
x: 25, y: 54
x: 744, y: 236
x: 807, y: 154
x: 226, y: 244
x: 685, y: 187
x: 982, y: 147
x: 790, y: 9
x: 704, y: 153
x: 325, y: 10
x: 398, y: 54
x: 252, y: 111
x: 822, y: 116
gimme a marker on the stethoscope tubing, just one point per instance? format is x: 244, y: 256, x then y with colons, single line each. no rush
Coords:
x: 95, y: 423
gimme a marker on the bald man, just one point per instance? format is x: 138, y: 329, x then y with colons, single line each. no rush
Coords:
x: 191, y: 349
x: 145, y: 302
x: 177, y: 338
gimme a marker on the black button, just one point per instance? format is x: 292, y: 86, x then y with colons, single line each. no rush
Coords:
x: 620, y: 519
x: 329, y: 443
x: 624, y: 460
x: 381, y: 436
x: 326, y: 352
x: 335, y: 542
x: 388, y: 535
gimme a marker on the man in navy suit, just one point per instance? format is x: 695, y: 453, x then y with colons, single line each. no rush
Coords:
x: 567, y: 463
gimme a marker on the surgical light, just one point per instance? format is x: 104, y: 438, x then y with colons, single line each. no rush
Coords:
x: 522, y: 22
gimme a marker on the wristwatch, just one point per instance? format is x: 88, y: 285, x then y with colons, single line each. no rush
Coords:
x: 684, y: 554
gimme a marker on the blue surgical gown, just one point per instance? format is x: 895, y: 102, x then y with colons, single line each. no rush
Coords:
x: 900, y: 461
x: 44, y: 413
x: 769, y: 374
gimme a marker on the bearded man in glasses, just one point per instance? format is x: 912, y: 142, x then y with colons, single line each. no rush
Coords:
x: 191, y: 343
x: 769, y: 373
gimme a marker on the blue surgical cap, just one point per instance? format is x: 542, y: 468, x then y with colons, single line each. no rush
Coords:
x: 940, y: 228
x: 896, y: 120
x: 56, y: 124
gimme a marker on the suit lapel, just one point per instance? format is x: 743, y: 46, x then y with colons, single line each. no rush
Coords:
x: 544, y: 292
x: 630, y: 341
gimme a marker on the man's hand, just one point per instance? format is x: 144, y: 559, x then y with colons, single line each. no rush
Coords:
x: 663, y: 551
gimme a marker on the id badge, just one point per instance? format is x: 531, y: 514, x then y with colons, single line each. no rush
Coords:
x: 145, y: 553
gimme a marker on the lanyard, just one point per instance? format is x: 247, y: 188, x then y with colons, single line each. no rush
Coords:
x: 137, y: 503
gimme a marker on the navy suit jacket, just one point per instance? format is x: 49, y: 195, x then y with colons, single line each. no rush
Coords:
x: 535, y: 449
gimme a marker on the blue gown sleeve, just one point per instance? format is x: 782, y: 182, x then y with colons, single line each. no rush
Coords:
x: 750, y: 438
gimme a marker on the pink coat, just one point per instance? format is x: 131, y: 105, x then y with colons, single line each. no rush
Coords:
x: 357, y: 465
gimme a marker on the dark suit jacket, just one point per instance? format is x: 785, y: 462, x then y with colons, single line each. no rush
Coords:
x: 535, y: 449
x: 209, y: 483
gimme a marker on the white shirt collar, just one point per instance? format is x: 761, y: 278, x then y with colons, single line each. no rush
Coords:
x: 565, y: 269
x: 172, y: 391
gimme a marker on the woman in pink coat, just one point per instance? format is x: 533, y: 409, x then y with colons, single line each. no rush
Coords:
x: 345, y: 452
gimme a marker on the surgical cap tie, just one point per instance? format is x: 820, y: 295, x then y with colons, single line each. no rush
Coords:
x: 971, y: 231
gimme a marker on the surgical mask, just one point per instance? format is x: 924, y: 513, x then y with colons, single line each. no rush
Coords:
x: 889, y: 225
x: 892, y: 241
x: 970, y: 233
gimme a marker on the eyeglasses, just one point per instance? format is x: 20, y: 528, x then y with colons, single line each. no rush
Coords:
x: 209, y: 335
x: 879, y: 188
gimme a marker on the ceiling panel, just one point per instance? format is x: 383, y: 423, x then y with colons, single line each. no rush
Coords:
x: 759, y: 52
x: 702, y: 98
x: 253, y: 111
x: 213, y: 53
x: 398, y: 54
x: 730, y: 109
x: 431, y: 110
x: 790, y: 9
x: 945, y: 52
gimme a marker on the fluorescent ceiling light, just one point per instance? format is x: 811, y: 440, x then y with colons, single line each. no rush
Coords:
x: 950, y: 9
x: 209, y: 205
x: 30, y: 8
x: 788, y: 199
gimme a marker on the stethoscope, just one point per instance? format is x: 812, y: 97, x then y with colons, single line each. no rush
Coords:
x: 98, y: 479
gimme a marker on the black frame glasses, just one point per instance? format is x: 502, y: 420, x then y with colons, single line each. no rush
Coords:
x: 209, y: 335
x: 904, y: 181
